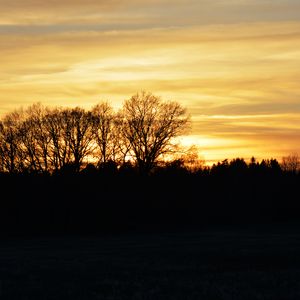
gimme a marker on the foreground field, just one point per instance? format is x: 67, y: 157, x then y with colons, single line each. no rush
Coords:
x: 243, y: 264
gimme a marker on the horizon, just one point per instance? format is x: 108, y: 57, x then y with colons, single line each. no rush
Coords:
x: 233, y: 64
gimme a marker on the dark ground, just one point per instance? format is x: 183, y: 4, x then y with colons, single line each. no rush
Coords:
x: 261, y: 262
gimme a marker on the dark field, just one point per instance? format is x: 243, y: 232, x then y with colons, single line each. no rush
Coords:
x: 249, y: 263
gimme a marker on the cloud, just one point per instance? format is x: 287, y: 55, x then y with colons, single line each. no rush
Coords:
x: 155, y: 13
x: 238, y: 80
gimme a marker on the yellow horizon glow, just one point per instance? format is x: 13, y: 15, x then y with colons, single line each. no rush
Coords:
x: 237, y: 76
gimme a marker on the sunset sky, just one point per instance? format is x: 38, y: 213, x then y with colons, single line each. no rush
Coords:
x: 234, y: 64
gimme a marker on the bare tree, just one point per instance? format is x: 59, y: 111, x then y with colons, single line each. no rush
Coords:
x: 291, y: 163
x: 27, y: 142
x: 122, y: 145
x: 150, y: 125
x: 71, y: 137
x: 78, y: 134
x: 35, y: 139
x: 10, y: 151
x: 37, y: 116
x: 59, y: 150
x: 191, y: 159
x: 104, y: 132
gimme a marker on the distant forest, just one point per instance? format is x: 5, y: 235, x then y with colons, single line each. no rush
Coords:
x: 73, y: 171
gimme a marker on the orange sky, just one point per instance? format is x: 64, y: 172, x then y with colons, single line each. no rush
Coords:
x: 234, y: 64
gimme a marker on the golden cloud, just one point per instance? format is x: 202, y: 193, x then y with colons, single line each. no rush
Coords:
x: 239, y: 81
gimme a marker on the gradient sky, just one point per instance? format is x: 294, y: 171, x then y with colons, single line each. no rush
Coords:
x: 235, y: 64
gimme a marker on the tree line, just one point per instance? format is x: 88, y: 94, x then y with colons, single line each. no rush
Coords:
x: 44, y: 140
x: 69, y: 170
x: 176, y: 196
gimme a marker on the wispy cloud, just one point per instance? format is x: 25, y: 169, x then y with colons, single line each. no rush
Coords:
x: 234, y: 64
x: 160, y: 12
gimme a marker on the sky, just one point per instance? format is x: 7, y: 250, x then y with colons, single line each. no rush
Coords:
x: 234, y: 64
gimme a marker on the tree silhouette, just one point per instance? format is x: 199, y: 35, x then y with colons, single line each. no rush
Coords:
x: 10, y: 151
x: 291, y: 163
x: 78, y: 134
x: 104, y: 132
x: 37, y: 118
x: 149, y: 125
x: 59, y: 148
x: 34, y: 139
